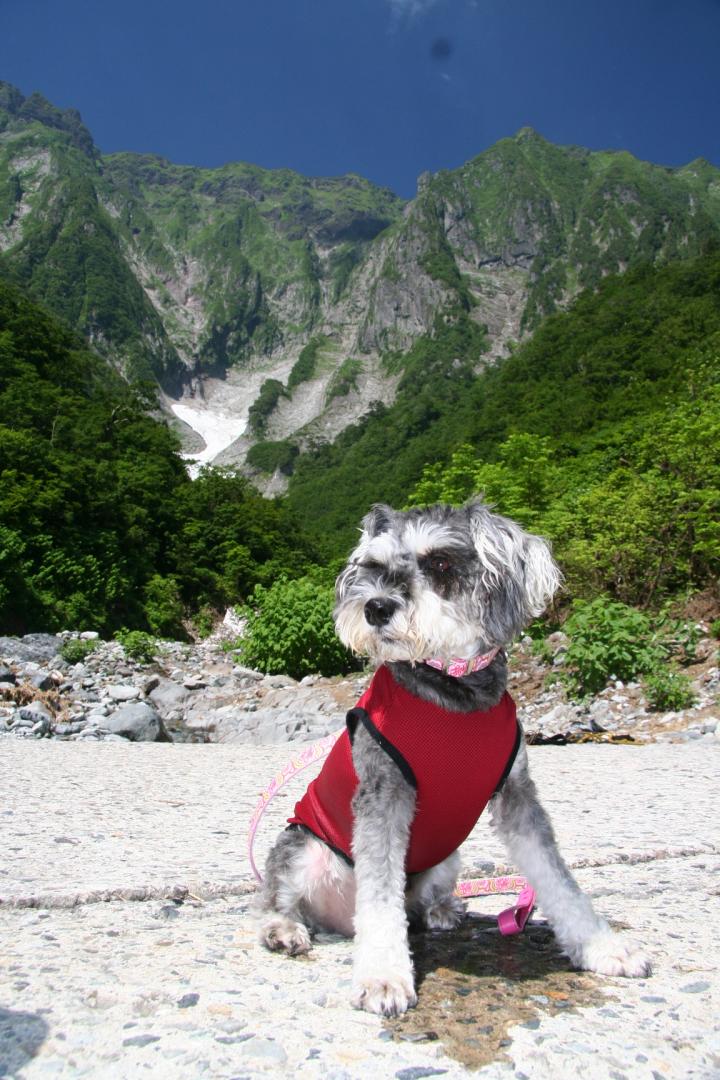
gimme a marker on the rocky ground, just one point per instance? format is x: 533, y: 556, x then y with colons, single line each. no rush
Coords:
x: 129, y: 947
x: 200, y: 693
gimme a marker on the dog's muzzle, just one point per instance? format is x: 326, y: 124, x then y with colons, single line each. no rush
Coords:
x: 380, y: 610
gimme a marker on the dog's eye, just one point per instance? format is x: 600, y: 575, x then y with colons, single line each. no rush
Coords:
x: 438, y: 564
x: 371, y: 564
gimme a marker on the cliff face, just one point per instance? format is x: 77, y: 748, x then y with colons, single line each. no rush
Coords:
x: 213, y: 281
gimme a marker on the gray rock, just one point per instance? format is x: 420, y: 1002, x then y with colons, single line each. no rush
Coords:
x: 600, y: 714
x: 6, y: 674
x: 123, y: 692
x: 42, y: 680
x: 35, y: 712
x: 138, y: 722
x: 19, y: 721
x: 168, y: 696
x: 37, y: 647
x: 63, y: 730
x: 559, y: 719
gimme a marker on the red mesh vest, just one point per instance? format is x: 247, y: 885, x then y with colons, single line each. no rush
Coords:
x: 455, y: 760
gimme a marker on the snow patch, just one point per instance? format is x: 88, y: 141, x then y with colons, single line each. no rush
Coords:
x: 217, y: 429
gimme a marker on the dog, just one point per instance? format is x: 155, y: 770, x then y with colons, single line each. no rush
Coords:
x: 432, y: 597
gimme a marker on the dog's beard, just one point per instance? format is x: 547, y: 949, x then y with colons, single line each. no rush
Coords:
x: 430, y: 628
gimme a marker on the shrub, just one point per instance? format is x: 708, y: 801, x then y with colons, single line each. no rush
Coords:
x: 205, y: 620
x: 163, y: 607
x: 290, y: 630
x: 542, y: 651
x: 608, y: 638
x: 667, y: 689
x: 75, y: 650
x: 681, y: 639
x: 137, y: 645
x: 269, y: 456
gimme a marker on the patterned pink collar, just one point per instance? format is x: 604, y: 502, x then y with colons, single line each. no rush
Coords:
x: 458, y: 668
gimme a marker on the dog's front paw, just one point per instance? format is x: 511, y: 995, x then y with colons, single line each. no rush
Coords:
x: 387, y: 995
x: 611, y: 954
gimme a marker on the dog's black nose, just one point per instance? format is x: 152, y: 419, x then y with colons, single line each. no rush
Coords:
x: 380, y: 610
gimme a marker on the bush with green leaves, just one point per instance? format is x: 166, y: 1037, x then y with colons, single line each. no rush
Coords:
x: 164, y: 607
x: 75, y: 650
x: 666, y: 689
x: 290, y: 630
x: 607, y: 638
x: 138, y: 645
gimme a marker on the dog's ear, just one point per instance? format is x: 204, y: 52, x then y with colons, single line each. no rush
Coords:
x: 518, y: 575
x: 542, y: 574
x: 378, y: 520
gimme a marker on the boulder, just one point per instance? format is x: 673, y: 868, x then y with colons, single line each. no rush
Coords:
x: 169, y: 697
x: 123, y: 692
x: 37, y: 647
x: 138, y: 722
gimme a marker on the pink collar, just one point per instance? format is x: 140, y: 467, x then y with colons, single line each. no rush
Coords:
x: 458, y: 668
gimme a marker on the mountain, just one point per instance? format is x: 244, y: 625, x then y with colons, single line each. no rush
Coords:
x: 100, y: 524
x: 273, y: 311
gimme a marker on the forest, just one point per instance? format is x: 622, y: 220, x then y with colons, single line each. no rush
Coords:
x: 600, y: 432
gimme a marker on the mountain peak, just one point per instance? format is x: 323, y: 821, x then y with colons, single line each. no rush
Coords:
x: 36, y: 108
x: 528, y: 134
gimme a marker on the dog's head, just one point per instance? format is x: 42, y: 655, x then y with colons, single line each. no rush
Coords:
x: 441, y: 582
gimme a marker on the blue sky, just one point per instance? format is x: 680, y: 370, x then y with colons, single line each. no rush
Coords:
x: 384, y: 88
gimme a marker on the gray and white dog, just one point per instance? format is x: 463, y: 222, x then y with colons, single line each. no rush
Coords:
x: 450, y: 586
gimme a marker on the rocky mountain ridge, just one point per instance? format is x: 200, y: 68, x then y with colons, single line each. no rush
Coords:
x: 215, y: 282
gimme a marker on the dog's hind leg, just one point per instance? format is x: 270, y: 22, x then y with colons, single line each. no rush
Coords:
x: 430, y: 898
x: 584, y: 936
x: 307, y: 887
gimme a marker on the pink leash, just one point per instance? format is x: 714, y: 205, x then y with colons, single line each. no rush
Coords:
x: 510, y: 921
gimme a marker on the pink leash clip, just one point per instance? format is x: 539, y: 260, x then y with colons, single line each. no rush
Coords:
x: 512, y: 920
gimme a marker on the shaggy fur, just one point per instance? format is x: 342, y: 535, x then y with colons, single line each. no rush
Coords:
x: 441, y: 583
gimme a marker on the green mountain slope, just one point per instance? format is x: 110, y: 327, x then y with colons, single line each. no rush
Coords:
x: 100, y: 525
x: 195, y: 277
x: 584, y: 381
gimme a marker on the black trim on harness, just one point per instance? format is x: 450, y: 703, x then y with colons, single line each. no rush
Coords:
x: 359, y: 716
x: 511, y: 759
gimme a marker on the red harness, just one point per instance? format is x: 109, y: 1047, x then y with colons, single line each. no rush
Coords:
x: 456, y: 761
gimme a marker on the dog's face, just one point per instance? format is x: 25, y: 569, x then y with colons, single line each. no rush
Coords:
x: 441, y: 583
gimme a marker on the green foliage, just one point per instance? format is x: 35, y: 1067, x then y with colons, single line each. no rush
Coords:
x: 304, y: 367
x: 99, y: 522
x: 290, y: 630
x: 380, y: 458
x: 345, y: 378
x: 715, y: 628
x: 164, y: 608
x: 75, y: 650
x: 542, y: 651
x: 138, y: 645
x: 668, y: 690
x: 267, y: 456
x: 205, y: 621
x: 259, y: 413
x: 608, y: 639
x: 229, y: 539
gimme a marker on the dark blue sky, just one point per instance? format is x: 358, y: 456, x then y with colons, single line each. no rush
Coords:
x: 384, y: 88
